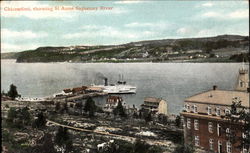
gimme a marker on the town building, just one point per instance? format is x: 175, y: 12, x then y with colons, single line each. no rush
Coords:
x: 112, y: 102
x: 155, y: 105
x: 205, y: 123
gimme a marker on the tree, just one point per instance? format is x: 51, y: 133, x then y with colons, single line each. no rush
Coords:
x: 79, y: 106
x: 239, y: 116
x: 12, y: 114
x: 184, y: 149
x: 178, y: 121
x: 141, y: 146
x: 65, y: 107
x: 119, y: 110
x: 63, y: 139
x: 25, y: 115
x: 3, y: 93
x: 13, y: 92
x: 40, y: 121
x: 57, y: 107
x: 18, y: 117
x: 46, y: 145
x: 148, y: 117
x: 163, y: 119
x: 90, y: 107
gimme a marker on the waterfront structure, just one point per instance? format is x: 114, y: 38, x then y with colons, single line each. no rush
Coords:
x: 155, y: 105
x: 94, y: 89
x: 205, y: 122
x: 79, y: 90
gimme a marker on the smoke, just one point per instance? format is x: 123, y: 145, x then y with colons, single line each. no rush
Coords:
x: 99, y: 75
x: 99, y: 78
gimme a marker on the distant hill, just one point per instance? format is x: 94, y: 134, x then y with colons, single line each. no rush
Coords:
x: 223, y: 48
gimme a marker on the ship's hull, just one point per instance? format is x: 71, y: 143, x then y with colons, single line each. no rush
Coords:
x: 118, y: 89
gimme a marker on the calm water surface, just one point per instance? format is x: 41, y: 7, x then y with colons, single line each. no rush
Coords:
x: 170, y: 81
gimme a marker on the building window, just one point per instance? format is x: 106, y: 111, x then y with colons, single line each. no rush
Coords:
x: 209, y: 110
x: 210, y: 127
x: 218, y: 111
x: 219, y: 146
x: 218, y: 129
x: 188, y: 108
x: 244, y: 150
x: 211, y: 144
x: 196, y: 124
x: 228, y: 132
x: 196, y: 141
x: 185, y: 107
x: 241, y: 84
x: 189, y: 123
x: 244, y: 136
x: 229, y: 147
x: 227, y: 111
x: 195, y: 109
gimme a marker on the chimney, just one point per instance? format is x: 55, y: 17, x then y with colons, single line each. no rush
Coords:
x: 248, y: 89
x: 214, y: 87
x: 106, y: 82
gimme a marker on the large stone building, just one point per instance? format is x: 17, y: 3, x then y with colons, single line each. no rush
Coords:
x: 155, y: 105
x: 205, y: 124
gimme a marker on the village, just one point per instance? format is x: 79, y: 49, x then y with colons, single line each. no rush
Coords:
x: 71, y: 121
x: 75, y: 109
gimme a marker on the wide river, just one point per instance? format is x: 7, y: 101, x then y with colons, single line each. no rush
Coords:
x: 171, y: 81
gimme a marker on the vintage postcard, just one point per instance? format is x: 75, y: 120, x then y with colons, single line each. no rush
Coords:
x: 125, y: 76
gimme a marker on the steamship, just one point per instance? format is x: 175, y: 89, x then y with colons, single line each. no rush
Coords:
x: 119, y: 88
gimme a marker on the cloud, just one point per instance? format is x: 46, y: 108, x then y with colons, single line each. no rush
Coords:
x: 6, y: 33
x: 237, y: 14
x: 207, y: 4
x: 212, y: 14
x: 7, y: 47
x: 139, y: 25
x: 184, y: 31
x: 160, y: 26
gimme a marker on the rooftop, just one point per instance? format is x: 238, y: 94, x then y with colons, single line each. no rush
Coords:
x: 221, y: 97
x: 152, y: 99
x: 67, y: 90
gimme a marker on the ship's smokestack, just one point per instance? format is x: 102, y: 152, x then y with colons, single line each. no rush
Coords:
x: 105, y: 81
x: 215, y: 87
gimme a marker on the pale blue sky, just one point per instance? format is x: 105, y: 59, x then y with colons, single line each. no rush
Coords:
x: 128, y: 21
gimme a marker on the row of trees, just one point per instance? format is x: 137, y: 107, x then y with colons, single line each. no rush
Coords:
x: 19, y: 118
